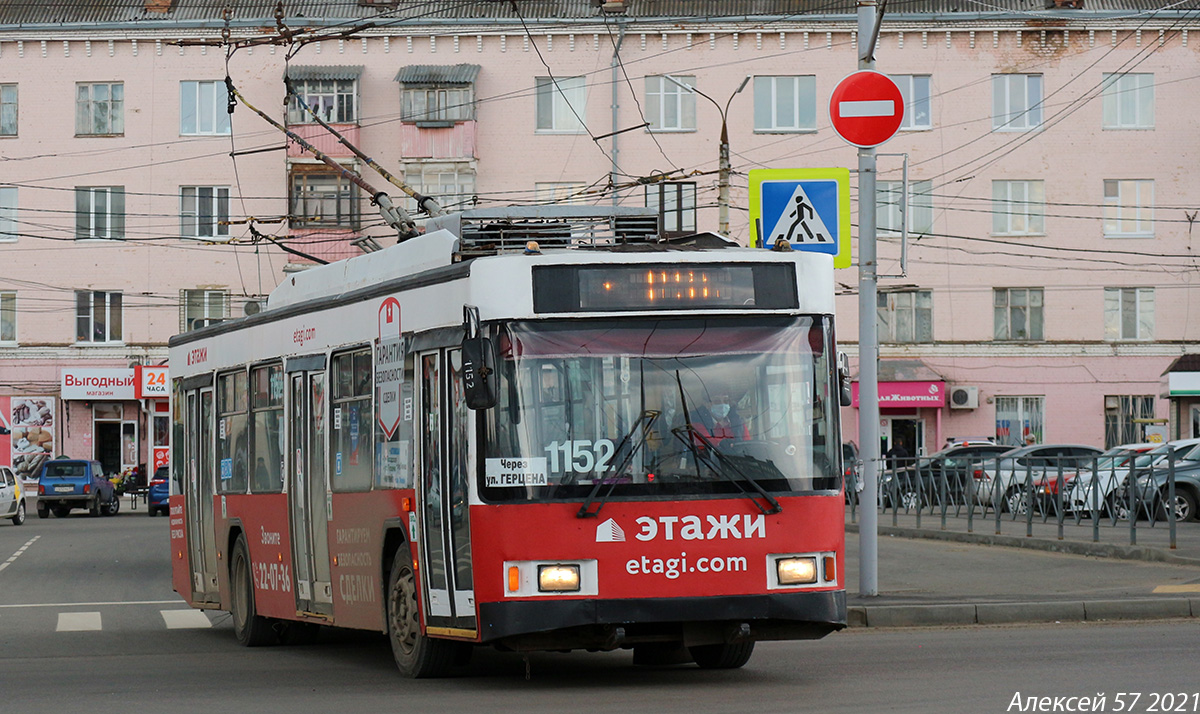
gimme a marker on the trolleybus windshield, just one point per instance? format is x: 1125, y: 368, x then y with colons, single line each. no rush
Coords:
x: 666, y: 407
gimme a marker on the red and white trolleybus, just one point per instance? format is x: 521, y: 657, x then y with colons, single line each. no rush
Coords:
x: 602, y: 441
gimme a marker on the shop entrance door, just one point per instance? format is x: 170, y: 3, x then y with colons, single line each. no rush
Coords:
x: 107, y: 446
x: 908, y: 431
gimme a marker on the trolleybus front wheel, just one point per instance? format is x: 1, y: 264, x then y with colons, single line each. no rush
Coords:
x: 416, y: 655
x: 722, y: 656
x: 251, y: 629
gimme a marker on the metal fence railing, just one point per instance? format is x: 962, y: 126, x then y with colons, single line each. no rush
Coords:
x: 1066, y: 491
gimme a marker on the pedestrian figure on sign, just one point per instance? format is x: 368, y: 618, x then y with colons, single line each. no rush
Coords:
x: 801, y: 209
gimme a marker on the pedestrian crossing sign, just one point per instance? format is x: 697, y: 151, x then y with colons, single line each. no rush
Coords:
x: 808, y: 208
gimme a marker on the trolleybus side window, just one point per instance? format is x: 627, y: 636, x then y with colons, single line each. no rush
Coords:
x: 353, y: 422
x: 177, y: 436
x: 267, y: 428
x: 233, y: 438
x: 394, y: 457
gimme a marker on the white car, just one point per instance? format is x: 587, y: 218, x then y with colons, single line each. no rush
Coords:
x: 1088, y: 488
x: 12, y: 497
x: 1111, y: 479
x: 1002, y: 480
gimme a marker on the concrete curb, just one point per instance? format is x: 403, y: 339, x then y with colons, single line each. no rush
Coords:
x: 998, y: 613
x: 1098, y: 550
x: 1019, y: 612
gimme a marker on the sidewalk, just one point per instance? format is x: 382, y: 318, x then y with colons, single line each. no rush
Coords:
x: 930, y: 575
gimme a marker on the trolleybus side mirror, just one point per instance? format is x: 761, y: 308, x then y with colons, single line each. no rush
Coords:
x: 844, y: 379
x: 479, y: 363
x: 479, y: 373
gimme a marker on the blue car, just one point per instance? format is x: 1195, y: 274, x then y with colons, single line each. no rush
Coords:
x: 75, y: 483
x: 160, y: 491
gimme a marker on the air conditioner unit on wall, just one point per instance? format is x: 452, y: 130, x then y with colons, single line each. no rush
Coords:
x: 964, y: 397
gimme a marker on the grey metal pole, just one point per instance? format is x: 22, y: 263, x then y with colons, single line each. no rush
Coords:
x: 616, y: 106
x: 868, y: 337
x: 723, y: 180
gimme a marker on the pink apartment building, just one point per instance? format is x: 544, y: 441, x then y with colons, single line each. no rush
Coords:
x: 1050, y: 258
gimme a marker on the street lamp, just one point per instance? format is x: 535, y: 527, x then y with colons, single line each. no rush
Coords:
x: 723, y: 160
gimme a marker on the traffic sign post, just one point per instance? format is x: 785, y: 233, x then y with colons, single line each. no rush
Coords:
x: 866, y: 108
x: 808, y: 208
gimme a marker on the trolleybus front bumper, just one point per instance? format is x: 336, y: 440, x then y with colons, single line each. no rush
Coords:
x: 608, y: 624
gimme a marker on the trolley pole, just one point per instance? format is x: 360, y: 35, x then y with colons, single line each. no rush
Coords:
x: 868, y: 337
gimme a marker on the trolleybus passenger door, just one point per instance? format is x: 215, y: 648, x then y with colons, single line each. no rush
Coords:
x: 202, y: 551
x: 308, y: 491
x: 443, y: 491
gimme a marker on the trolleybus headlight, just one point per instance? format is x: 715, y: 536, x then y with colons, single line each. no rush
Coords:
x: 796, y: 571
x: 558, y: 578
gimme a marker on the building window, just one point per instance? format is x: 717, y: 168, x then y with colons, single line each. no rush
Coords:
x: 204, y: 211
x: 562, y: 193
x: 1018, y: 313
x: 1128, y: 101
x: 1018, y: 208
x: 676, y: 204
x: 1016, y: 102
x: 671, y: 102
x: 8, y: 316
x: 1128, y: 314
x: 97, y: 316
x: 915, y: 90
x: 99, y: 212
x: 1126, y: 417
x: 890, y: 206
x: 905, y: 315
x: 437, y: 104
x: 783, y: 104
x: 8, y: 213
x: 451, y: 184
x: 322, y: 198
x: 8, y: 110
x: 561, y: 104
x: 335, y: 101
x: 201, y: 307
x: 1129, y: 208
x: 100, y: 109
x: 203, y: 108
x: 1018, y: 418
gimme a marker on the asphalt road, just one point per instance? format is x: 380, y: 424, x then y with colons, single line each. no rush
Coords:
x: 88, y: 623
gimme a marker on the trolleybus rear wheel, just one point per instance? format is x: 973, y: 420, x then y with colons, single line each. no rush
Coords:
x: 251, y: 629
x: 722, y: 656
x: 416, y: 655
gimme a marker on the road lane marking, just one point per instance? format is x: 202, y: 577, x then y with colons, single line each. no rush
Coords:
x: 78, y: 621
x: 17, y: 554
x: 185, y: 619
x: 93, y: 604
x: 1193, y: 588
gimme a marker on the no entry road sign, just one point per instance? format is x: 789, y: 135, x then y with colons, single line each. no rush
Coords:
x: 866, y: 108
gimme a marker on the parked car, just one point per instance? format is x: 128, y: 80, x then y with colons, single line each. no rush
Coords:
x: 1094, y: 483
x: 160, y: 490
x: 1002, y: 480
x: 12, y: 497
x: 853, y: 481
x: 898, y: 487
x: 73, y: 483
x: 1151, y: 474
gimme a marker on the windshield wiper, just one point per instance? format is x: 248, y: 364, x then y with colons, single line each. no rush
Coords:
x: 643, y: 423
x: 706, y: 452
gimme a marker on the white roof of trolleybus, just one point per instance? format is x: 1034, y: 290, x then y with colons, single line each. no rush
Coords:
x: 491, y: 287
